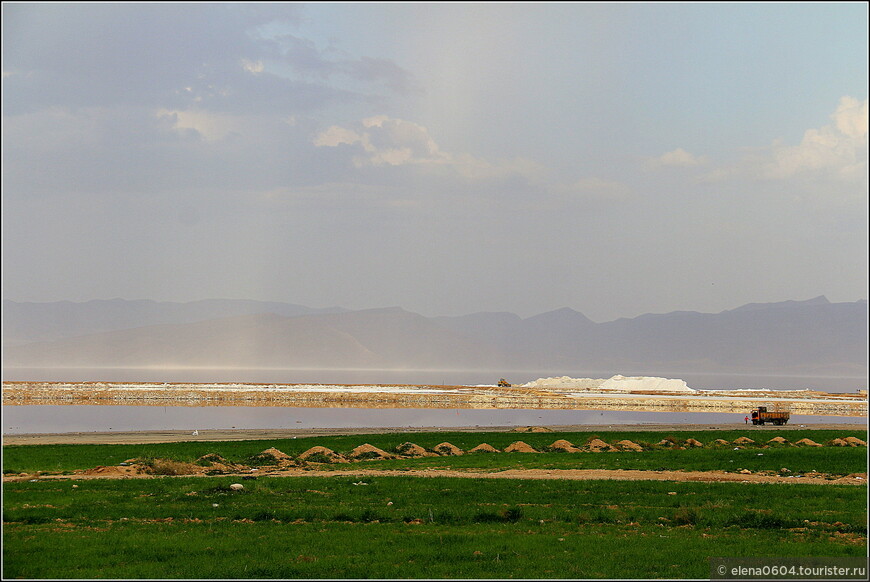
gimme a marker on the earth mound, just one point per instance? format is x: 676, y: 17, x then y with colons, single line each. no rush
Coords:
x: 855, y: 441
x: 808, y: 443
x: 694, y: 443
x: 367, y: 451
x: 721, y: 443
x: 412, y: 450
x: 447, y: 450
x: 777, y: 441
x: 532, y: 429
x: 484, y: 448
x: 520, y: 447
x: 599, y: 446
x: 839, y: 443
x: 627, y: 445
x: 564, y: 446
x: 744, y: 441
x: 322, y: 454
x: 280, y: 456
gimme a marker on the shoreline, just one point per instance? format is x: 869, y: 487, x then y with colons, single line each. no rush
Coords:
x: 213, y: 435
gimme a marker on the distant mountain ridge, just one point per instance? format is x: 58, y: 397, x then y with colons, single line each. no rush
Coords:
x: 813, y: 336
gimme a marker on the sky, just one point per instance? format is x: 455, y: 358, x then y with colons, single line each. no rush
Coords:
x: 448, y: 158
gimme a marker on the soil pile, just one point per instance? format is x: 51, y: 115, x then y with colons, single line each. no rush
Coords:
x: 322, y: 453
x: 484, y: 448
x: 367, y: 451
x: 115, y: 471
x: 532, y: 429
x: 520, y: 447
x: 599, y: 446
x: 855, y: 442
x: 744, y: 441
x: 777, y: 441
x: 280, y: 456
x: 412, y: 450
x: 563, y: 446
x: 720, y: 443
x: 667, y: 443
x: 214, y: 463
x: 627, y: 445
x: 808, y: 443
x: 447, y: 450
x: 839, y: 443
x: 694, y: 443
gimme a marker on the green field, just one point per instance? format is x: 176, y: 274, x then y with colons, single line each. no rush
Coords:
x: 436, y: 527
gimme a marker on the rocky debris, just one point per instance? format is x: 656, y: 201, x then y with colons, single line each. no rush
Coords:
x: 627, y: 445
x: 855, y: 441
x: 328, y: 455
x: 777, y: 441
x: 808, y: 443
x: 366, y: 451
x: 599, y: 446
x: 694, y: 443
x: 447, y: 450
x: 744, y: 441
x: 520, y: 447
x: 563, y: 446
x: 484, y: 448
x: 412, y: 450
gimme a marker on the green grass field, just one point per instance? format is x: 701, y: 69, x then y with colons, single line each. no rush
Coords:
x: 437, y: 527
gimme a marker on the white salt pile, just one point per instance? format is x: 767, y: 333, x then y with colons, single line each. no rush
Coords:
x: 615, y: 384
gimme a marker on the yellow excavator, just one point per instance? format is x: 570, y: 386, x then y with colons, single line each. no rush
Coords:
x: 502, y: 383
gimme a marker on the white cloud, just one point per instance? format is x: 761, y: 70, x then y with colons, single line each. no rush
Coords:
x: 839, y: 149
x: 211, y: 126
x: 677, y: 158
x: 387, y: 141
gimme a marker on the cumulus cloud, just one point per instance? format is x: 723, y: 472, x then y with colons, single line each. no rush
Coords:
x: 677, y: 158
x: 839, y: 149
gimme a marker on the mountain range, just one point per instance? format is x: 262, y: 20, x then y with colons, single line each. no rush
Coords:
x: 800, y: 337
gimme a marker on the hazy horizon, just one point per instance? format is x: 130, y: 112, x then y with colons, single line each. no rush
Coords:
x: 616, y: 159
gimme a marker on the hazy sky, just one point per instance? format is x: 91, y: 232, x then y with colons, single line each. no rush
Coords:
x: 618, y: 159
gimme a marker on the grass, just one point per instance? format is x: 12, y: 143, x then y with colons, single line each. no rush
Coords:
x: 436, y: 527
x: 61, y: 458
x: 405, y: 527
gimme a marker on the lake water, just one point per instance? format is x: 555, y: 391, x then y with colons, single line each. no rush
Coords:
x: 85, y: 418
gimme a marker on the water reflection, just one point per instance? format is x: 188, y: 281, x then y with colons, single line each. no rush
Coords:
x: 85, y: 418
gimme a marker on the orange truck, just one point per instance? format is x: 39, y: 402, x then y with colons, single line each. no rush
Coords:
x: 761, y: 416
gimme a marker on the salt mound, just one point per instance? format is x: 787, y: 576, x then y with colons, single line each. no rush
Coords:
x: 328, y: 453
x: 447, y: 450
x: 520, y: 447
x: 645, y: 384
x: 627, y: 445
x: 744, y: 441
x: 566, y: 382
x: 808, y: 443
x: 777, y: 441
x: 614, y: 384
x: 598, y: 445
x: 367, y: 451
x: 855, y: 442
x: 694, y: 443
x: 564, y: 446
x: 412, y: 450
x: 484, y: 448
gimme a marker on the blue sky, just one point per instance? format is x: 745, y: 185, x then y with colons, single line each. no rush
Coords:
x: 618, y: 159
